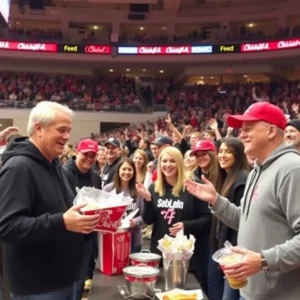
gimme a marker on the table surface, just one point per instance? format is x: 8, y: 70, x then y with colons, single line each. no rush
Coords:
x: 106, y: 287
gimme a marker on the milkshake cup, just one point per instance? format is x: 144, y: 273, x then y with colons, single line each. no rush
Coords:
x: 225, y: 257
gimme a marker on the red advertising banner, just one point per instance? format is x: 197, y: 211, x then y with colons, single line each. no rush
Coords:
x: 97, y: 49
x: 35, y: 47
x: 164, y: 50
x: 271, y: 46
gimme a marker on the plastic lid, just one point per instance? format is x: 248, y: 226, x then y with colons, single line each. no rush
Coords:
x: 145, y: 256
x: 140, y: 271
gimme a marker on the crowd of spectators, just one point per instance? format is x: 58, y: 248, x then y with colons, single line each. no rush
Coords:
x: 189, y: 105
x: 80, y: 92
x: 193, y: 107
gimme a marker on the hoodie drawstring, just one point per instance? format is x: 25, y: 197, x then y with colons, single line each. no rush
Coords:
x: 249, y: 193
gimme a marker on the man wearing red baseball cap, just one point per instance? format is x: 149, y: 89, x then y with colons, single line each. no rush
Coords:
x: 268, y: 220
x: 80, y: 173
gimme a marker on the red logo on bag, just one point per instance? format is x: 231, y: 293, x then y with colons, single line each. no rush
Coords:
x: 109, y: 218
x: 106, y: 220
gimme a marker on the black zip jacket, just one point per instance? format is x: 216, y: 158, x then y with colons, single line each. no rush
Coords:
x: 39, y: 254
x: 186, y: 208
x: 223, y: 232
x: 109, y: 172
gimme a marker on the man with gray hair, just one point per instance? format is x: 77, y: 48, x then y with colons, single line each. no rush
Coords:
x: 41, y: 231
x: 268, y: 219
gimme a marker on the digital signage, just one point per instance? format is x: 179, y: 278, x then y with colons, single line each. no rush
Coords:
x: 227, y: 48
x: 270, y: 46
x: 151, y: 50
x: 165, y: 50
x: 23, y: 46
x: 84, y: 49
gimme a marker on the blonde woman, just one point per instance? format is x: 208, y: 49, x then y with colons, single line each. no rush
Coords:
x: 69, y: 151
x: 190, y: 164
x: 140, y: 161
x: 170, y: 208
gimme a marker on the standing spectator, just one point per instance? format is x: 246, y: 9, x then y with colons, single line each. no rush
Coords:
x: 80, y: 173
x: 101, y: 161
x: 187, y: 215
x: 292, y: 133
x: 125, y: 181
x: 268, y: 220
x: 41, y: 233
x: 113, y: 153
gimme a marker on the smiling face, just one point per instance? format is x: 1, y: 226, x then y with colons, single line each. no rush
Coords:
x: 168, y: 166
x: 85, y: 161
x: 101, y: 157
x: 138, y: 160
x: 189, y: 161
x: 292, y: 136
x: 126, y: 172
x: 226, y: 157
x: 52, y: 139
x: 112, y: 152
x: 255, y: 136
x: 203, y: 160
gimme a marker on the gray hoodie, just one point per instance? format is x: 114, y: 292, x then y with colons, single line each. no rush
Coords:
x: 268, y: 220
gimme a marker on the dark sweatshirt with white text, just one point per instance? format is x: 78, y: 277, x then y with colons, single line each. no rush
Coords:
x: 164, y: 212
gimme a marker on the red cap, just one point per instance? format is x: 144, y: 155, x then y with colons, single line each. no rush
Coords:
x: 261, y: 111
x: 203, y: 145
x: 87, y: 145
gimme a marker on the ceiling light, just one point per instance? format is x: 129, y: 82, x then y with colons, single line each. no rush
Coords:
x: 251, y: 25
x: 211, y: 77
x: 111, y: 70
x: 95, y: 27
x: 144, y: 70
x: 164, y: 28
x: 245, y: 76
x: 161, y: 71
x: 141, y: 28
x: 202, y: 77
x: 127, y: 70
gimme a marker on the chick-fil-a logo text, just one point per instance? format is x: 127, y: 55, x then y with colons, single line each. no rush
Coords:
x: 34, y: 47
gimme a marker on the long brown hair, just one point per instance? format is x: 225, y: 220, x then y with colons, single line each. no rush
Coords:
x: 236, y: 147
x: 214, y: 175
x: 144, y: 168
x: 131, y: 184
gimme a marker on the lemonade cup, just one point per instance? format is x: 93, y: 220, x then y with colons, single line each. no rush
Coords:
x: 226, y: 257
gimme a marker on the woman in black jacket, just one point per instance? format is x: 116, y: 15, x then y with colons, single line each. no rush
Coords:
x: 235, y: 168
x: 170, y: 208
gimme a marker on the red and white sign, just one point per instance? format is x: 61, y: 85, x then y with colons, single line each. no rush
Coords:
x: 35, y: 47
x: 97, y: 49
x: 109, y: 218
x: 271, y: 46
x: 114, y: 250
x: 159, y: 50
